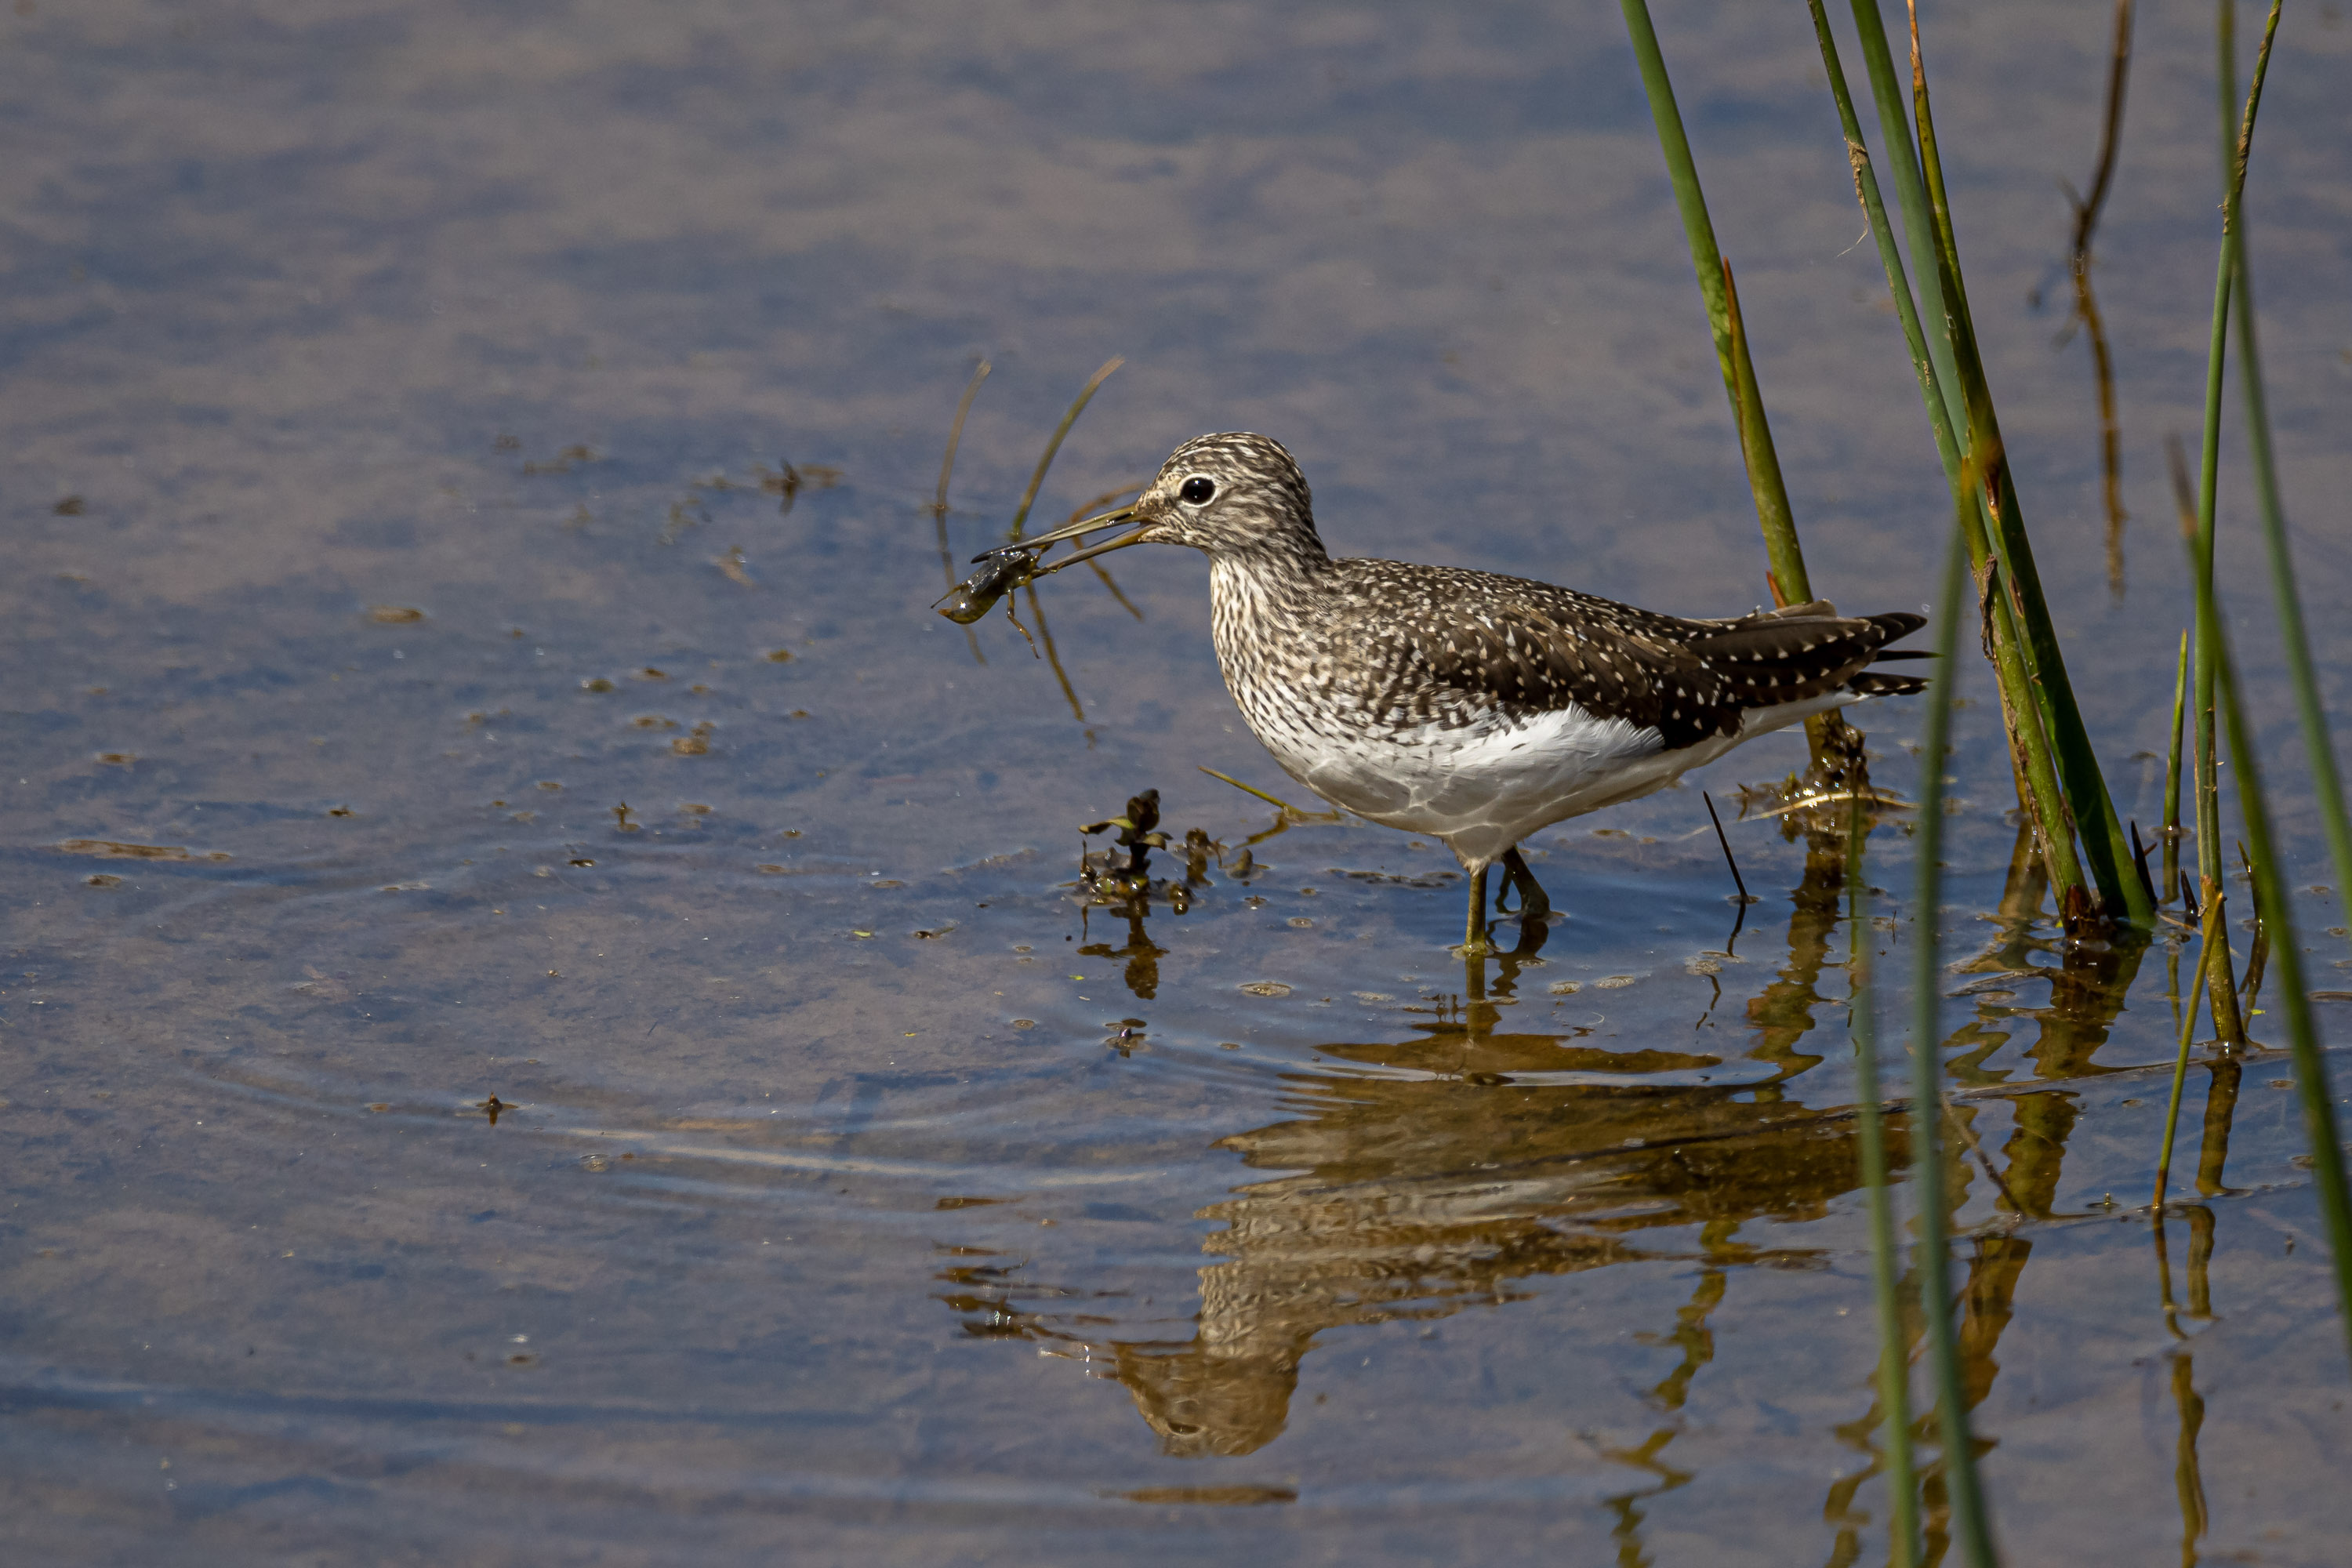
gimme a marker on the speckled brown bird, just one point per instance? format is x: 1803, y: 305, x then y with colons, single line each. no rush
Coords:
x: 1472, y: 706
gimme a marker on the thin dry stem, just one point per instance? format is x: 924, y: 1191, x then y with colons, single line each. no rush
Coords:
x: 940, y: 503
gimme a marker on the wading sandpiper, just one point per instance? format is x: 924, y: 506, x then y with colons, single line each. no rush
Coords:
x: 1475, y: 708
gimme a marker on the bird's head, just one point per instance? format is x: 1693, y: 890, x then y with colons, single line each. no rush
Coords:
x: 1228, y: 494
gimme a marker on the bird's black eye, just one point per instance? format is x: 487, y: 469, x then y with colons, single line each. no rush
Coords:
x: 1197, y: 490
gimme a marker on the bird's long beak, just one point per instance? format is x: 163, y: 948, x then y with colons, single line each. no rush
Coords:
x: 1106, y: 519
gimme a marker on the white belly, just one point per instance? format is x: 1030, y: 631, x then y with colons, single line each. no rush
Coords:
x: 1483, y: 787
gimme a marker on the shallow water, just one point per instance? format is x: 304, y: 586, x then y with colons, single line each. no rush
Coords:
x: 427, y: 688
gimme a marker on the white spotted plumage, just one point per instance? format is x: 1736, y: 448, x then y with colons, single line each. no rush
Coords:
x: 1482, y: 777
x: 1469, y: 706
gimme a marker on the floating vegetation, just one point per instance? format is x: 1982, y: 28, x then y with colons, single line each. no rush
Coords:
x: 114, y: 849
x: 692, y: 510
x: 786, y: 481
x: 732, y: 564
x: 1123, y: 872
x: 564, y: 462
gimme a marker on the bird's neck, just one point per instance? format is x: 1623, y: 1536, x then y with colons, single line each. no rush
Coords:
x: 1262, y: 601
x: 1286, y: 565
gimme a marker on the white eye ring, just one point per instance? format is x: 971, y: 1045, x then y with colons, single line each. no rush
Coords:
x: 1198, y: 490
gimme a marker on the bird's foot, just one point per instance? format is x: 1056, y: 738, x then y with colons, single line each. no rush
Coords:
x: 1535, y: 908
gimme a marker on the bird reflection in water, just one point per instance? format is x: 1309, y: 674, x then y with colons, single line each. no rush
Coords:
x: 1419, y: 1199
x: 1483, y: 1158
x: 1492, y: 1156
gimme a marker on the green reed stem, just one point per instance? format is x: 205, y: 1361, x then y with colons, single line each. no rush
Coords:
x: 2180, y: 1060
x: 1894, y: 1360
x: 2107, y: 849
x: 2225, y: 49
x: 2172, y: 773
x: 1924, y: 362
x: 1276, y: 801
x: 2303, y: 1034
x: 1895, y: 127
x: 2205, y: 763
x: 2205, y: 778
x: 1791, y: 584
x: 1086, y: 395
x: 1927, y: 1071
x: 2228, y: 1020
x: 1940, y: 387
x: 2270, y: 886
x: 1931, y: 362
x: 2318, y: 746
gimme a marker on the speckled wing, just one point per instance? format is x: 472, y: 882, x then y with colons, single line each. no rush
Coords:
x: 1485, y: 641
x: 1789, y: 655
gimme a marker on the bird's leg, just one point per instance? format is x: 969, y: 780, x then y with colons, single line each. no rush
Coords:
x: 1473, y: 937
x: 1534, y: 906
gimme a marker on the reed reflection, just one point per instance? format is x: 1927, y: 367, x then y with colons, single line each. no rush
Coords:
x: 2188, y: 1405
x: 2088, y: 985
